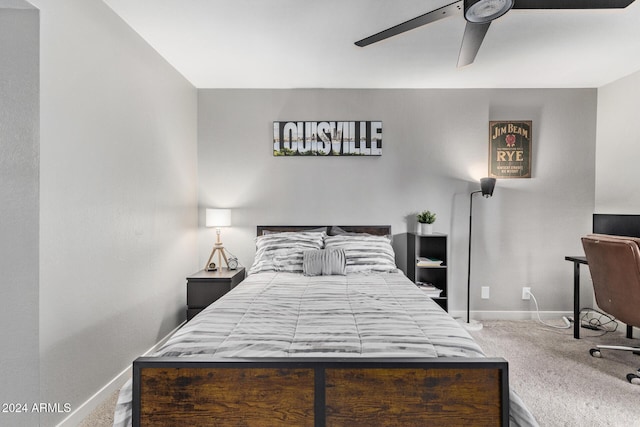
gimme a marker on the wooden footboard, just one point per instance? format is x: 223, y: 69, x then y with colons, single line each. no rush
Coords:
x: 320, y: 392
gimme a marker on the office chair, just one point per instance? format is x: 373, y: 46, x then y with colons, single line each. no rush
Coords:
x: 614, y: 263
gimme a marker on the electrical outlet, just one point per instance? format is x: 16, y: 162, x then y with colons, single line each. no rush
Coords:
x: 484, y: 292
x: 526, y: 293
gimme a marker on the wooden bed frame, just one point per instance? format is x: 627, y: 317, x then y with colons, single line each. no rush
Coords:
x: 171, y: 391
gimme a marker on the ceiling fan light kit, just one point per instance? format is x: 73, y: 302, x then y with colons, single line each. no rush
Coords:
x: 483, y: 11
x: 479, y: 14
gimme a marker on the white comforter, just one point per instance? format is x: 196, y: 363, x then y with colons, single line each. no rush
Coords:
x: 291, y: 315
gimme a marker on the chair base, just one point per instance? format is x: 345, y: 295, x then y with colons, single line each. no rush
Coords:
x: 632, y: 378
x: 635, y: 350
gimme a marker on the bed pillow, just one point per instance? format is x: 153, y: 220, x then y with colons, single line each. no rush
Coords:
x: 334, y: 230
x: 289, y: 260
x: 325, y: 262
x: 283, y: 251
x: 364, y: 253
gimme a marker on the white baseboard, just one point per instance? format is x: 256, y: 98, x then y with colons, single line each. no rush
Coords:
x: 510, y: 315
x: 76, y: 417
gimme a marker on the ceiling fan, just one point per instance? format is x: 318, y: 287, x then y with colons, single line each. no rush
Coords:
x: 480, y: 13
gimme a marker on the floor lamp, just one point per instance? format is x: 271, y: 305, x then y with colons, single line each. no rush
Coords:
x: 486, y: 188
x: 217, y: 218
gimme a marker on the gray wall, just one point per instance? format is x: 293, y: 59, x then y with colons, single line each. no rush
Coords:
x: 618, y: 147
x: 434, y: 150
x: 118, y: 198
x: 19, y: 209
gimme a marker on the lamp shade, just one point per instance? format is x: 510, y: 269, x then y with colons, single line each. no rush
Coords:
x: 487, y: 185
x: 218, y: 218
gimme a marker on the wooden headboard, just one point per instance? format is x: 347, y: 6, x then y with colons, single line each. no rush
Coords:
x: 378, y: 230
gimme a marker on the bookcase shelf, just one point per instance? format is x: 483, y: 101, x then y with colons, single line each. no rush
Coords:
x: 429, y: 246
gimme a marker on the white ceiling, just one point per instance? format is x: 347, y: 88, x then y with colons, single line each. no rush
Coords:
x: 309, y: 44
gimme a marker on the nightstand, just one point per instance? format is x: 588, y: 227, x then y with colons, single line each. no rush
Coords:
x: 204, y: 287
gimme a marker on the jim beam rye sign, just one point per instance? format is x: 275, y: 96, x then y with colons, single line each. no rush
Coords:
x: 510, y: 149
x: 327, y: 138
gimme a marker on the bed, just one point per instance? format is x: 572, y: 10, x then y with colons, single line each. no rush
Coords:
x: 325, y: 330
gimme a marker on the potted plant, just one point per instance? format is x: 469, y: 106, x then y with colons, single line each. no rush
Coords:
x: 425, y: 222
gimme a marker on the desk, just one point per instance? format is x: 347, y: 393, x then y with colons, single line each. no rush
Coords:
x: 577, y: 260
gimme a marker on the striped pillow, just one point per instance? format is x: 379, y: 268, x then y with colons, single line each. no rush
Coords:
x: 326, y: 262
x: 289, y: 260
x: 283, y: 251
x: 365, y: 253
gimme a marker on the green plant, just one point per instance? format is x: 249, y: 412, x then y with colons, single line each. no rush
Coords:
x: 426, y: 217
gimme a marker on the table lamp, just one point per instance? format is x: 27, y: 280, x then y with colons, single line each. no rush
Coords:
x: 217, y: 218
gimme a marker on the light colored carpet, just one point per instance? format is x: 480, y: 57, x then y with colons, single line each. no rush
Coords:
x: 102, y: 416
x: 553, y: 373
x: 559, y: 380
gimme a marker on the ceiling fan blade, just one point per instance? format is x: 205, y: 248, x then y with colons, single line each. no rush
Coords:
x: 471, y: 41
x: 571, y: 4
x: 427, y: 18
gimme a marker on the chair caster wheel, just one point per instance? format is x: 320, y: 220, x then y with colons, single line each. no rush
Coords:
x: 594, y: 352
x: 633, y: 378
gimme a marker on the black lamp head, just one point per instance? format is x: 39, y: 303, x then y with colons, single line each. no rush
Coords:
x: 487, y: 185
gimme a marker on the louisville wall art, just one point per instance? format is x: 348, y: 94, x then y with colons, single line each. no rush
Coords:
x: 327, y: 138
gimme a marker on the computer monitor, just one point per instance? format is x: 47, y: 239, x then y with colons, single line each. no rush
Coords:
x: 617, y: 224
